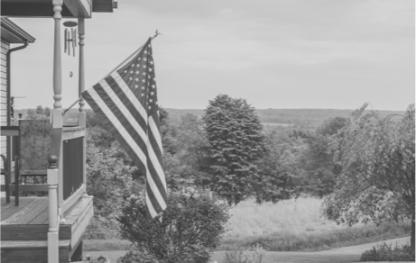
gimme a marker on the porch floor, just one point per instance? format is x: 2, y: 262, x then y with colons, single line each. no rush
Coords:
x: 31, y: 210
x: 24, y: 229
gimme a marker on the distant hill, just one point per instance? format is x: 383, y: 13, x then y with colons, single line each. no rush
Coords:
x: 308, y: 118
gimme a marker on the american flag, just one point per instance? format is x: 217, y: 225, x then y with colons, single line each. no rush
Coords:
x: 127, y: 98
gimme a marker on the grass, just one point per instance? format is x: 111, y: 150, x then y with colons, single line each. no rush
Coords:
x: 388, y: 252
x: 297, y: 225
x: 106, y: 244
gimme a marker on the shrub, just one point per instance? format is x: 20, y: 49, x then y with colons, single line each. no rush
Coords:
x: 387, y: 252
x: 137, y: 257
x: 185, y: 232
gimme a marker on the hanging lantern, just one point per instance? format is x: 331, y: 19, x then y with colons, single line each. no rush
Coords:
x: 70, y: 37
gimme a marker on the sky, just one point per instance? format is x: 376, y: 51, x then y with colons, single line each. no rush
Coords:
x: 273, y: 53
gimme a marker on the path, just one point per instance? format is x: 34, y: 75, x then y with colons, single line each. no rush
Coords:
x: 337, y: 255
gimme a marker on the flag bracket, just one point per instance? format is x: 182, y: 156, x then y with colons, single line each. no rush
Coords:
x: 156, y: 34
x: 70, y: 107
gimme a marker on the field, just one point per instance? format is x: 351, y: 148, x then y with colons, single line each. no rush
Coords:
x: 297, y: 224
x: 294, y: 216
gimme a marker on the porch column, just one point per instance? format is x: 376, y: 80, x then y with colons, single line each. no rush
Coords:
x: 81, y: 67
x: 53, y: 231
x: 57, y: 61
x: 56, y: 113
x: 81, y: 88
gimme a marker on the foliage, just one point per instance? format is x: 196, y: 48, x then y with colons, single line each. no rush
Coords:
x: 185, y: 161
x: 109, y: 180
x: 186, y: 231
x: 278, y: 168
x: 236, y: 144
x: 377, y: 179
x: 387, y: 252
x: 317, y: 166
x: 134, y: 256
x: 39, y: 113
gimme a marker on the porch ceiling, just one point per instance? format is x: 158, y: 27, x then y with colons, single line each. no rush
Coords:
x: 44, y: 8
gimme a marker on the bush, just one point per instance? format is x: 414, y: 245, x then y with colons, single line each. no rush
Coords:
x: 387, y: 252
x: 137, y: 257
x: 186, y: 231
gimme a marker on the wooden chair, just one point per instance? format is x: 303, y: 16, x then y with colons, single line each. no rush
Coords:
x: 12, y: 132
x: 35, y: 147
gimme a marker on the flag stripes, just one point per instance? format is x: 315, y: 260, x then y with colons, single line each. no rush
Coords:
x: 127, y: 98
x: 113, y: 110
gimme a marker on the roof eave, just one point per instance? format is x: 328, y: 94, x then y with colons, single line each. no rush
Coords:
x: 20, y: 35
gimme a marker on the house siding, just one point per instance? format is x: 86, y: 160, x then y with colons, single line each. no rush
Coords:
x: 3, y: 93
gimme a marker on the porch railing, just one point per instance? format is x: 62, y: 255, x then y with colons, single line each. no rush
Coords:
x: 37, y: 140
x: 73, y: 162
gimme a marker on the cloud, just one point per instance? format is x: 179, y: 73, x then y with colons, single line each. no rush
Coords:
x: 275, y: 53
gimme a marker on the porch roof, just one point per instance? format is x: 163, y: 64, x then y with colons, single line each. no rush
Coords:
x: 44, y: 8
x: 14, y: 34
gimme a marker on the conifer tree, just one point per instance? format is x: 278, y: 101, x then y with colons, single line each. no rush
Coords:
x: 235, y: 146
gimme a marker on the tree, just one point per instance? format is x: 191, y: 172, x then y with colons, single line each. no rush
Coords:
x: 185, y: 164
x: 235, y: 146
x: 278, y: 168
x: 318, y: 169
x: 377, y: 179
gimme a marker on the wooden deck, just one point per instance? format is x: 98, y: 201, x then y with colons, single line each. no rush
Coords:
x: 24, y: 229
x: 31, y: 210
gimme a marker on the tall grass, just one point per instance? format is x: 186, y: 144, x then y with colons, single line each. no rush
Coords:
x: 297, y: 225
x: 387, y: 252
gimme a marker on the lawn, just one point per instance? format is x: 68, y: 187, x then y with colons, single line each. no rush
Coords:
x: 338, y: 255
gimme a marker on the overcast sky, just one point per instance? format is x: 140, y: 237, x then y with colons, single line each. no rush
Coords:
x: 274, y: 53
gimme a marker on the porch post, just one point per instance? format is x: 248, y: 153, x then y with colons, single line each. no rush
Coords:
x: 57, y: 61
x: 56, y: 114
x: 53, y: 231
x: 81, y: 87
x: 81, y: 67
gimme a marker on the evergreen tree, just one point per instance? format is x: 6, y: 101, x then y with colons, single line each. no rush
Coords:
x: 235, y: 146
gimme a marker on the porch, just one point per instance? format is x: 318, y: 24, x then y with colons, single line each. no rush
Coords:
x: 24, y: 229
x: 39, y: 186
x: 45, y: 208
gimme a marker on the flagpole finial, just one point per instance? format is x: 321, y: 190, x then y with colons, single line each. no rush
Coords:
x: 157, y: 33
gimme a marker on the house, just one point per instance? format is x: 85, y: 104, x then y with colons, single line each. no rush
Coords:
x: 45, y: 209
